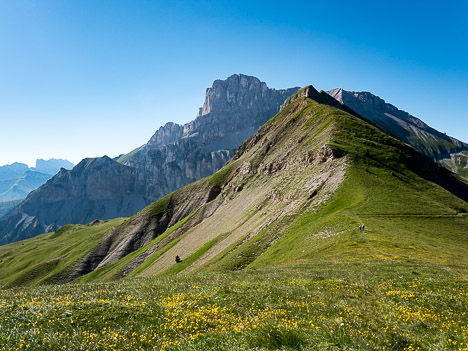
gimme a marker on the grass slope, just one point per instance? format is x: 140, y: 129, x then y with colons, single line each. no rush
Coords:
x: 407, y: 219
x: 307, y: 280
x: 124, y: 158
x: 42, y: 258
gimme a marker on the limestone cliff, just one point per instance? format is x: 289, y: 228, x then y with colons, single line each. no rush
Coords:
x: 175, y: 156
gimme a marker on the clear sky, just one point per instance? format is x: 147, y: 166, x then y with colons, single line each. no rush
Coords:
x: 84, y: 78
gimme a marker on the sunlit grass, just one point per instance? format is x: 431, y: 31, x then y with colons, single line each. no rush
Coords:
x: 298, y: 308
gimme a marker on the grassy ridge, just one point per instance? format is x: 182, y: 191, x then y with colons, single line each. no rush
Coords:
x: 40, y: 259
x: 418, y: 224
x: 220, y: 177
x: 161, y: 206
x: 408, y: 219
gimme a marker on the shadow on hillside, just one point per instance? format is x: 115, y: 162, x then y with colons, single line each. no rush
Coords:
x: 429, y: 170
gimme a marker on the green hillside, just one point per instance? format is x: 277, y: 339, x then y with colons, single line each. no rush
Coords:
x: 45, y: 258
x: 272, y: 256
x: 409, y: 219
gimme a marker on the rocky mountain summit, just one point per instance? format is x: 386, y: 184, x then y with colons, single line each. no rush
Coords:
x: 448, y: 151
x: 176, y: 155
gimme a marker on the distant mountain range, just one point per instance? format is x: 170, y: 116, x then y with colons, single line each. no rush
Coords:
x: 7, y: 205
x: 176, y: 155
x: 18, y: 180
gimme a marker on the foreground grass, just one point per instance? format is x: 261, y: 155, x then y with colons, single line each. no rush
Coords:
x: 327, y: 307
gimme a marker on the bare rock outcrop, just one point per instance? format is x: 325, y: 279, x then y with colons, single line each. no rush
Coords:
x: 176, y: 155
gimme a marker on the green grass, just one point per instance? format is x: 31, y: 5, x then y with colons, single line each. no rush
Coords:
x: 187, y: 262
x: 313, y: 307
x: 161, y: 206
x: 43, y: 258
x: 113, y: 271
x: 240, y: 255
x: 157, y: 254
x: 124, y: 158
x: 318, y: 114
x: 399, y: 229
x: 221, y: 176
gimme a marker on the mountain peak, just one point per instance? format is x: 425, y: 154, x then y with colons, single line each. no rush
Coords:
x: 285, y: 174
x: 166, y: 134
x: 311, y: 93
x: 174, y: 156
x: 321, y: 97
x: 238, y: 92
x: 53, y: 165
x: 92, y: 163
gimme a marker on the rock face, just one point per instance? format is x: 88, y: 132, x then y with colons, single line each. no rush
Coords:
x: 176, y: 155
x: 448, y: 151
x: 290, y: 169
x: 293, y: 192
x: 7, y: 205
x: 95, y: 188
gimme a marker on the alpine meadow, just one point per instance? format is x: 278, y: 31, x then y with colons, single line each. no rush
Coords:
x: 322, y: 232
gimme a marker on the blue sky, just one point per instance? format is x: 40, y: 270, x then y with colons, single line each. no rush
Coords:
x: 87, y: 78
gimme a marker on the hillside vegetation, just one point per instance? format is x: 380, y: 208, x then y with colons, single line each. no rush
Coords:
x: 45, y: 258
x: 272, y: 256
x: 448, y: 151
